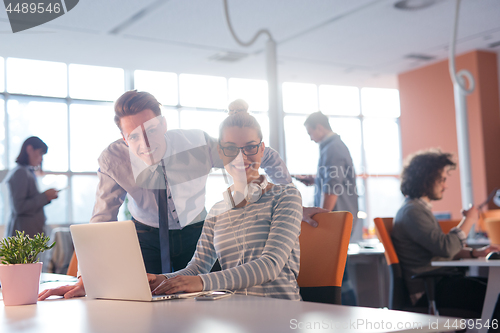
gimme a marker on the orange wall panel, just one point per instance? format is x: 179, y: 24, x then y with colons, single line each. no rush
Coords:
x: 428, y: 121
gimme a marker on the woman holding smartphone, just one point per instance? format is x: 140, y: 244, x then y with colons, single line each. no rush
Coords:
x: 253, y: 232
x: 26, y: 202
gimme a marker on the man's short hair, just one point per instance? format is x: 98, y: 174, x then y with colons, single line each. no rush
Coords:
x: 133, y: 102
x: 422, y: 170
x: 317, y: 118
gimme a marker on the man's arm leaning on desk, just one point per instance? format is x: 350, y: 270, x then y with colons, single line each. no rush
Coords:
x: 75, y: 290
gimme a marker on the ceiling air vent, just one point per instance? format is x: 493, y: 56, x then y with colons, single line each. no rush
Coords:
x: 419, y: 56
x: 413, y: 4
x: 228, y: 56
x: 495, y: 44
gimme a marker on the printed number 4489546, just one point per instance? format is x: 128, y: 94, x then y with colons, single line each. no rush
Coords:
x: 33, y: 8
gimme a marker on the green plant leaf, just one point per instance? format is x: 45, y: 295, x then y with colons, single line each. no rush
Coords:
x: 21, y: 249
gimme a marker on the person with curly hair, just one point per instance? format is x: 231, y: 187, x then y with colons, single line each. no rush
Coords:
x: 418, y: 238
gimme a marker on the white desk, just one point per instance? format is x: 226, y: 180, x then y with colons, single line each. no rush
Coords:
x: 493, y: 288
x: 234, y: 314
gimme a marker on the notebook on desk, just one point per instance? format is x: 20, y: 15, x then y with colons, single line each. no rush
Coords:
x: 111, y: 264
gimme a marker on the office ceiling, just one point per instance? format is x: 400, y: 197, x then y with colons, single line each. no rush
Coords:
x: 361, y: 42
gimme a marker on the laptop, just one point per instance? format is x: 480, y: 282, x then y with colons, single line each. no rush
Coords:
x: 111, y: 264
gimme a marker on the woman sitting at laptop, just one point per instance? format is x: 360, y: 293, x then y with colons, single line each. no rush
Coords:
x: 254, y: 232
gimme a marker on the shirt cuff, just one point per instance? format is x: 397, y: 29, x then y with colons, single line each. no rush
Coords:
x: 207, y: 282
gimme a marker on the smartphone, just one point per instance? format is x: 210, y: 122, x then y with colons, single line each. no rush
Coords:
x: 213, y: 295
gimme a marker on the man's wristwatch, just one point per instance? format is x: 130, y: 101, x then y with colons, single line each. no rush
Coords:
x: 472, y: 253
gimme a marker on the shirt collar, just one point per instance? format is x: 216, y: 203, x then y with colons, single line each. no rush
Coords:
x: 427, y: 205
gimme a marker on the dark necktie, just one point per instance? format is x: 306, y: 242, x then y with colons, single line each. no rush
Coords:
x: 166, y: 265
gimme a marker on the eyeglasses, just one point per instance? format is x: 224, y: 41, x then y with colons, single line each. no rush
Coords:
x: 233, y: 151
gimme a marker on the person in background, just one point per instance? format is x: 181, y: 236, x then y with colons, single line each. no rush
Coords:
x: 26, y: 201
x: 418, y: 238
x: 254, y: 236
x: 240, y: 105
x: 335, y: 180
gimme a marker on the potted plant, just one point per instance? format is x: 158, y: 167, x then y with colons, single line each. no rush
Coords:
x: 20, y: 269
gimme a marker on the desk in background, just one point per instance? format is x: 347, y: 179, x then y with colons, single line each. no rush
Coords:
x: 493, y: 288
x: 370, y: 275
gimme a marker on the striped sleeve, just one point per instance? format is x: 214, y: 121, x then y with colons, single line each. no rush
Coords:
x: 283, y: 234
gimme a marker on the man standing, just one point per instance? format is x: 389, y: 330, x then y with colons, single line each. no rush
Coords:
x: 335, y: 180
x: 418, y: 238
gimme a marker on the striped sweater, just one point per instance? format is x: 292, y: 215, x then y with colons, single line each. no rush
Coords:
x: 257, y: 246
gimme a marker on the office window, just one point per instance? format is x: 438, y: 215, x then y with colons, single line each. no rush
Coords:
x: 2, y: 75
x: 57, y: 210
x: 376, y: 102
x: 2, y: 136
x: 384, y: 197
x: 349, y: 130
x: 339, y: 100
x: 263, y: 120
x: 300, y: 98
x: 382, y: 148
x: 368, y: 124
x: 207, y: 121
x: 48, y: 121
x: 92, y: 128
x: 83, y: 190
x: 35, y: 77
x: 254, y: 92
x: 203, y: 91
x: 172, y: 117
x: 301, y: 153
x: 161, y: 85
x: 95, y: 82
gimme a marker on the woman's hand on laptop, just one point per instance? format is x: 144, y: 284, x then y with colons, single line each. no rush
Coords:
x: 180, y: 283
x: 155, y: 280
x: 76, y: 290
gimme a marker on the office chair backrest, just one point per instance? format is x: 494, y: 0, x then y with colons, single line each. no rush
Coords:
x: 383, y: 228
x: 493, y: 228
x: 323, y: 254
x: 481, y: 224
x: 73, y: 266
x: 447, y: 225
x: 399, y: 298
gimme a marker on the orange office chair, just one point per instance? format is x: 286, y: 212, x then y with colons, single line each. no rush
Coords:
x: 447, y: 225
x: 323, y: 254
x: 73, y: 266
x: 492, y: 225
x: 399, y: 297
x: 481, y: 224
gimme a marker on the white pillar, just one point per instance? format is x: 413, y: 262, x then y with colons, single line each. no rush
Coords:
x: 463, y: 145
x: 276, y: 128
